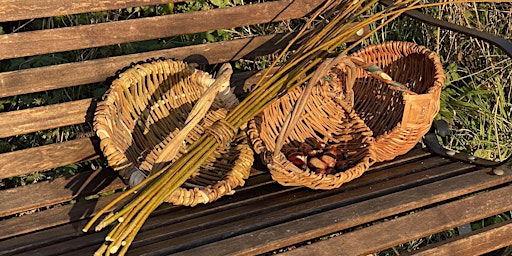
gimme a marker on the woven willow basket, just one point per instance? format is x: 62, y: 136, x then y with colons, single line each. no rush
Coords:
x: 328, y: 118
x: 144, y: 109
x: 398, y: 120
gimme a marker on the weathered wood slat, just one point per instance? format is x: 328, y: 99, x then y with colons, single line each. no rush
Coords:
x: 417, y: 225
x: 72, y: 213
x: 87, y: 72
x: 316, y: 225
x: 46, y: 193
x: 20, y: 225
x: 65, y: 214
x: 88, y: 36
x: 46, y: 117
x: 276, y: 212
x: 12, y: 10
x: 42, y: 158
x: 476, y: 243
x: 245, y: 198
x: 66, y: 114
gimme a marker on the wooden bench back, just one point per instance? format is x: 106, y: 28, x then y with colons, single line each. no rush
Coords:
x: 53, y: 77
x: 47, y: 78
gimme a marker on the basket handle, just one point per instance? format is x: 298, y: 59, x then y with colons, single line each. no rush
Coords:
x: 197, y: 113
x: 293, y: 117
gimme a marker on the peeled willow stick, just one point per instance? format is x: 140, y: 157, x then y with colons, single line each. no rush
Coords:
x: 322, y: 42
x: 197, y: 113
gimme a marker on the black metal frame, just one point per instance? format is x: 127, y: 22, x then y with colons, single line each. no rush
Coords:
x: 440, y: 128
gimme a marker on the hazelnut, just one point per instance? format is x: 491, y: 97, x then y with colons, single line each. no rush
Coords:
x: 325, y: 171
x: 298, y: 159
x: 332, y: 151
x: 317, y: 163
x: 329, y: 160
x: 341, y: 165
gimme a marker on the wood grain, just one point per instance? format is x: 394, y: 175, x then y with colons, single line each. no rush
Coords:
x: 47, y: 117
x: 11, y: 10
x: 415, y: 226
x: 88, y: 36
x: 47, y: 193
x: 92, y: 71
x: 21, y: 162
x: 476, y: 243
x: 296, y: 230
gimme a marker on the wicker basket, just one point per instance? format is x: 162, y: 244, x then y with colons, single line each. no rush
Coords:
x: 379, y: 116
x: 398, y: 120
x: 328, y: 118
x: 146, y: 107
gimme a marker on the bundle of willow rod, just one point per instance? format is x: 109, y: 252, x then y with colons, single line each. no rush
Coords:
x: 298, y: 69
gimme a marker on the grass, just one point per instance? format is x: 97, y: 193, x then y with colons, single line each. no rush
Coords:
x: 476, y: 100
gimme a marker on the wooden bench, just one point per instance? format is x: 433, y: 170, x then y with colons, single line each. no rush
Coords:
x: 412, y: 197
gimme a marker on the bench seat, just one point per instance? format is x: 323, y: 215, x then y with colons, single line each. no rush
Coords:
x: 411, y: 197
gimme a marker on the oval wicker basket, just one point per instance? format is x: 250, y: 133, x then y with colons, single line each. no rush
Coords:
x: 144, y: 109
x: 398, y: 120
x: 328, y: 118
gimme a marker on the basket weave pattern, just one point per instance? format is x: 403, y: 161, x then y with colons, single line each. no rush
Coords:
x: 328, y: 118
x: 146, y: 107
x: 398, y: 121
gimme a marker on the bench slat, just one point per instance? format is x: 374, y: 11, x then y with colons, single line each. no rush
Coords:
x: 65, y: 214
x: 415, y: 226
x: 87, y: 72
x: 46, y: 117
x: 29, y: 9
x: 70, y: 113
x: 476, y: 243
x: 42, y: 158
x: 89, y: 36
x: 92, y: 71
x: 279, y: 213
x: 46, y: 193
x: 324, y: 223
